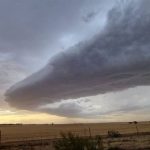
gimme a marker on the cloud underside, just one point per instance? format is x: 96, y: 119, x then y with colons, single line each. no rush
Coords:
x: 115, y: 59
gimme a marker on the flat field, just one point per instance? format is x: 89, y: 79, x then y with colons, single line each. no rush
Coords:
x: 41, y: 137
x: 10, y: 133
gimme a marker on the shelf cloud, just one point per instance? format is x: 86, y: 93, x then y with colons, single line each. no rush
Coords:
x: 117, y: 58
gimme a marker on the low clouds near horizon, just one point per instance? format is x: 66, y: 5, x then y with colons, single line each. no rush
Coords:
x: 115, y: 59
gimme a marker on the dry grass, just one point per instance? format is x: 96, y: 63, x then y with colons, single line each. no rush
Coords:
x: 35, y: 132
x: 41, y: 137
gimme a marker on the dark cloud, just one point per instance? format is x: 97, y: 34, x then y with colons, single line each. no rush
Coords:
x: 27, y: 25
x: 115, y: 59
x: 30, y: 30
x: 89, y: 16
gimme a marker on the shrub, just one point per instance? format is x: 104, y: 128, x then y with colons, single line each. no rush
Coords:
x: 135, y: 122
x: 70, y: 141
x: 114, y: 134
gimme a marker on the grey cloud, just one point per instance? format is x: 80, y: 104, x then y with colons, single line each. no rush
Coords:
x: 30, y: 29
x: 89, y: 16
x: 126, y: 101
x: 27, y: 25
x: 9, y: 75
x: 115, y: 59
x: 72, y: 108
x: 69, y: 109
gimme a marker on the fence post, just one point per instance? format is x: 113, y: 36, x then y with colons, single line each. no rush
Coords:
x: 90, y: 132
x: 84, y: 131
x: 0, y: 136
x: 137, y: 130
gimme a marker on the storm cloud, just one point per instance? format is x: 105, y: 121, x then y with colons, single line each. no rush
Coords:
x: 32, y: 29
x: 116, y: 58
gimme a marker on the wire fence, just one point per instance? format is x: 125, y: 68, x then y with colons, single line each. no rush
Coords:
x: 45, y: 135
x: 54, y: 133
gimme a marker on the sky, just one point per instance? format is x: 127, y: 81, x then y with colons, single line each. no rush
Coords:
x: 70, y: 61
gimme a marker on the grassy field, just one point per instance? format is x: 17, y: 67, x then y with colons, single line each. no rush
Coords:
x: 41, y: 137
x: 36, y: 132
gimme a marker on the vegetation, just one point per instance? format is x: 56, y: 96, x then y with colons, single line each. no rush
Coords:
x: 70, y: 141
x: 41, y: 137
x: 113, y: 134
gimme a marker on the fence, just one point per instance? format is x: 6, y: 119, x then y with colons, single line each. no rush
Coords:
x: 22, y: 133
x: 45, y: 135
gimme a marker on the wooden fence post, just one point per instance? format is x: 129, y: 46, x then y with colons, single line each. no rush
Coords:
x: 90, y: 132
x: 0, y: 137
x: 84, y: 131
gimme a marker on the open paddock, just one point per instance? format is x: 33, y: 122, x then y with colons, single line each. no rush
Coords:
x: 26, y: 132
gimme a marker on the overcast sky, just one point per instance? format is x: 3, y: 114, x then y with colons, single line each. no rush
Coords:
x: 75, y: 59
